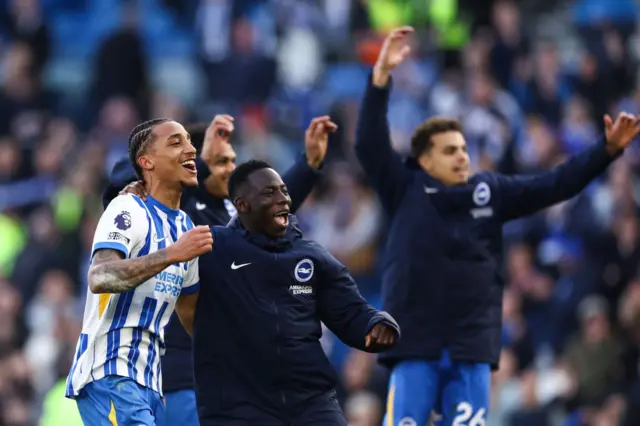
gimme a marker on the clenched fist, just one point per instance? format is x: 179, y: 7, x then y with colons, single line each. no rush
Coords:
x: 193, y: 243
x: 381, y: 334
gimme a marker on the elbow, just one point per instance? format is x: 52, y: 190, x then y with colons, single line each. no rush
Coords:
x: 94, y: 283
x: 187, y: 321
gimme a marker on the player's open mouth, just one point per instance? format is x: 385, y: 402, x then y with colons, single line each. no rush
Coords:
x: 190, y: 166
x: 282, y: 218
x: 460, y: 171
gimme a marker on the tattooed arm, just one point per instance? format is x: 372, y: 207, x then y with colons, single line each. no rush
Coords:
x: 110, y: 272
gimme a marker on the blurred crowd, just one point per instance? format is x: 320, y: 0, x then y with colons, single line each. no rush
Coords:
x: 77, y: 75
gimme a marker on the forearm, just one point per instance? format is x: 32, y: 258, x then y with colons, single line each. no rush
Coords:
x: 524, y: 195
x: 187, y: 322
x: 372, y: 131
x: 380, y: 77
x: 122, y: 275
x: 300, y: 180
x: 186, y: 310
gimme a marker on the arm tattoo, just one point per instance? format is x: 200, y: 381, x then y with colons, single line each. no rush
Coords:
x: 110, y: 272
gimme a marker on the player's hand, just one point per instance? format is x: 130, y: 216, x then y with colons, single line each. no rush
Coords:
x: 219, y: 131
x: 620, y: 132
x: 395, y: 49
x: 380, y: 334
x: 193, y: 243
x: 316, y: 139
x: 136, y: 188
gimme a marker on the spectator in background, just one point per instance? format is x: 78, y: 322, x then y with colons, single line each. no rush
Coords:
x: 24, y: 105
x: 509, y: 41
x: 594, y: 356
x: 346, y: 219
x: 120, y: 66
x: 24, y: 21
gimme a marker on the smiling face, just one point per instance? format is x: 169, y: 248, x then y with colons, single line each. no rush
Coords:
x: 171, y: 156
x: 222, y: 163
x: 264, y: 203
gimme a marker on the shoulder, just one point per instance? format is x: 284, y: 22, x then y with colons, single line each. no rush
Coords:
x: 222, y: 235
x: 127, y: 201
x: 126, y: 208
x: 221, y: 231
x: 321, y: 255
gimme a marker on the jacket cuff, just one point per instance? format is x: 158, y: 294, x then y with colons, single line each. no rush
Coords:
x: 379, y: 91
x: 203, y: 169
x: 603, y: 149
x: 386, y: 319
x: 304, y: 163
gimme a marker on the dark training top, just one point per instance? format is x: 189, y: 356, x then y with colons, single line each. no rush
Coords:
x: 442, y: 278
x: 256, y: 342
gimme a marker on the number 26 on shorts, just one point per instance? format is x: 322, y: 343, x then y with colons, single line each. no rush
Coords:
x: 466, y: 417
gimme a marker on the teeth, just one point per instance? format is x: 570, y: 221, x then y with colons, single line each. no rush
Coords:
x: 191, y: 163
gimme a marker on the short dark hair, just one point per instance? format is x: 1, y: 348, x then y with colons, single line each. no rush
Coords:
x: 242, y: 173
x: 139, y: 140
x: 421, y: 139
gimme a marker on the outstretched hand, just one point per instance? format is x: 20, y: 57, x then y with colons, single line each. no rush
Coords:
x: 316, y: 139
x: 395, y: 50
x: 620, y: 132
x: 219, y: 131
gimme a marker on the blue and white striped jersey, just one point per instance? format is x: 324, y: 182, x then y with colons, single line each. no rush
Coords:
x: 123, y: 334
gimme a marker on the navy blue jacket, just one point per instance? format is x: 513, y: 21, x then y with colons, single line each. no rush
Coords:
x: 203, y: 209
x: 256, y: 342
x: 443, y: 278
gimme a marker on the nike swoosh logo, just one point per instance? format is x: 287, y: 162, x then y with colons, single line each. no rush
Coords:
x: 157, y: 240
x: 201, y: 206
x: 234, y: 266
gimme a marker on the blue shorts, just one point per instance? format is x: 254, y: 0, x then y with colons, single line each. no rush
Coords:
x: 120, y: 401
x: 458, y: 392
x: 181, y: 408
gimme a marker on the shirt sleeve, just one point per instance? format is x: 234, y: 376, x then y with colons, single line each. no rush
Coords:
x: 124, y: 226
x: 192, y: 276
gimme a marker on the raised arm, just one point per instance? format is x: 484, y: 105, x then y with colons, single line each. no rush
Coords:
x: 382, y: 165
x: 305, y: 173
x: 524, y: 195
x: 348, y: 315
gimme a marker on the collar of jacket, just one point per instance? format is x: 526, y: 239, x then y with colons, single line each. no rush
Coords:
x: 282, y: 243
x: 427, y: 179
